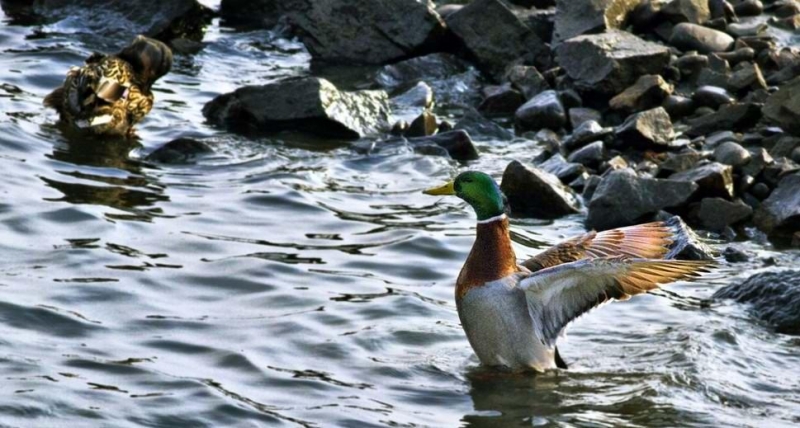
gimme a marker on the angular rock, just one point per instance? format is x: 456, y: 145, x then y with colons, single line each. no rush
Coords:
x: 457, y: 144
x: 648, y: 92
x: 577, y: 17
x: 783, y: 107
x: 735, y: 255
x: 610, y: 62
x: 623, y: 199
x: 773, y: 297
x: 784, y: 146
x: 424, y: 125
x: 418, y: 96
x: 308, y: 104
x: 565, y: 171
x: 501, y: 101
x: 678, y: 162
x: 590, y: 155
x: 437, y: 66
x: 649, y: 128
x: 779, y: 214
x: 715, y: 214
x: 747, y: 77
x: 733, y: 154
x: 532, y: 192
x: 730, y: 117
x: 482, y: 128
x: 713, y: 180
x: 495, y: 37
x: 527, y: 80
x: 365, y: 31
x: 179, y: 151
x: 580, y: 115
x: 691, y: 11
x: 542, y: 111
x: 586, y: 133
x: 693, y: 37
x: 686, y: 245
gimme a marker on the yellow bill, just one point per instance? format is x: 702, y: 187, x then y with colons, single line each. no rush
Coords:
x: 444, y: 190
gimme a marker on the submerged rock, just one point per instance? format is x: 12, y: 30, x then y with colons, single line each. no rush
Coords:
x: 158, y: 19
x: 178, y: 151
x: 365, y: 31
x: 309, y: 104
x: 457, y: 144
x: 608, y: 63
x: 623, y: 199
x: 774, y: 298
x: 495, y: 37
x: 577, y: 17
x: 779, y: 214
x: 532, y: 192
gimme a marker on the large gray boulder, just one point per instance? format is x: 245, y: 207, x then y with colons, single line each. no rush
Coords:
x: 774, y: 297
x: 309, y: 105
x: 623, y: 199
x: 783, y: 107
x: 779, y: 214
x: 577, y: 17
x: 357, y: 31
x: 163, y: 20
x: 715, y: 214
x: 714, y: 179
x: 532, y: 192
x: 496, y: 38
x: 545, y: 110
x: 608, y: 63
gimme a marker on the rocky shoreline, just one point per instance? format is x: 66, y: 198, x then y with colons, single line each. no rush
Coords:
x: 644, y: 109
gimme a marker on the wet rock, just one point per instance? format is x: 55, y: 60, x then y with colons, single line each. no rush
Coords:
x: 623, y: 199
x: 580, y: 115
x: 308, y: 104
x: 784, y: 8
x: 717, y: 138
x: 735, y: 117
x: 541, y: 22
x: 399, y: 128
x: 257, y: 13
x: 646, y: 15
x: 773, y: 297
x: 686, y: 244
x: 692, y: 37
x: 565, y: 171
x: 532, y: 192
x: 713, y: 180
x: 649, y: 91
x: 732, y: 154
x: 784, y: 146
x: 712, y: 96
x: 747, y: 77
x: 778, y: 170
x: 691, y: 63
x: 365, y: 31
x: 495, y: 37
x: 647, y: 129
x: 577, y: 17
x: 586, y: 133
x: 418, y: 96
x: 761, y: 191
x: 446, y: 10
x: 748, y: 29
x: 679, y: 162
x: 179, y: 151
x: 425, y: 124
x: 678, y: 106
x: 610, y: 62
x: 501, y: 101
x: 527, y: 80
x: 542, y: 111
x: 691, y: 11
x: 748, y: 8
x: 779, y: 214
x: 715, y: 214
x: 160, y: 20
x: 590, y: 155
x: 457, y: 144
x: 735, y: 255
x: 437, y: 66
x: 783, y: 107
x: 722, y: 9
x: 482, y: 128
x: 737, y: 56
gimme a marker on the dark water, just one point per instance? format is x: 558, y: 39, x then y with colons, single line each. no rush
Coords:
x: 280, y: 283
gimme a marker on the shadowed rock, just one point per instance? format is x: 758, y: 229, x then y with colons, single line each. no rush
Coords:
x: 309, y: 105
x: 178, y: 151
x: 714, y: 179
x: 610, y: 62
x: 457, y: 144
x: 783, y: 107
x: 577, y: 17
x: 730, y: 117
x: 774, y: 297
x: 542, y: 111
x: 715, y: 214
x: 532, y: 192
x: 623, y: 199
x: 779, y: 214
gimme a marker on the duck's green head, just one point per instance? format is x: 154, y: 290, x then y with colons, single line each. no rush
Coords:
x: 478, y: 189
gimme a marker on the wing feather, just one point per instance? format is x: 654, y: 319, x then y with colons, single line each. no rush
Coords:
x: 558, y: 295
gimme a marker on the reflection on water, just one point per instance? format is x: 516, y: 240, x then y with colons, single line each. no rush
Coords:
x: 293, y: 282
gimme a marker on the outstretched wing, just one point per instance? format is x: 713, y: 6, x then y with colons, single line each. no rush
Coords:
x: 558, y: 295
x: 647, y: 241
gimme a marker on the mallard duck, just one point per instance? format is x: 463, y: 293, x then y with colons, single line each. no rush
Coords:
x: 111, y: 93
x: 514, y: 314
